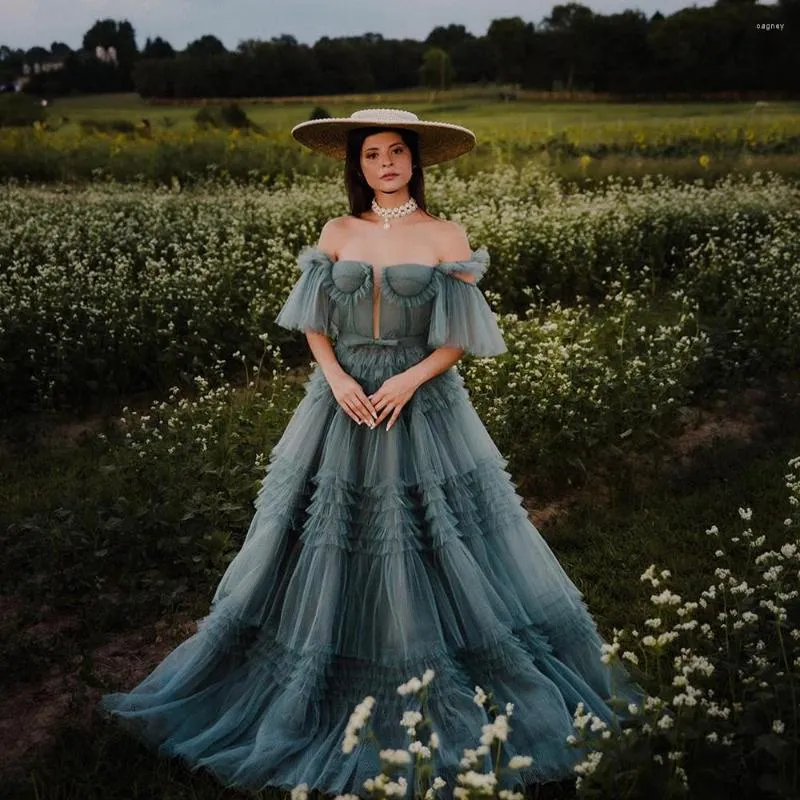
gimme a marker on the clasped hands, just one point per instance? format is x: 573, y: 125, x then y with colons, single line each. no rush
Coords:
x: 371, y: 410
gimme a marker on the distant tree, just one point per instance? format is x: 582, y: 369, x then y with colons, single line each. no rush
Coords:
x: 612, y: 53
x: 11, y: 62
x: 512, y: 40
x: 436, y: 71
x: 111, y: 33
x: 372, y: 38
x: 343, y: 66
x: 448, y: 37
x: 567, y: 17
x: 60, y: 49
x: 692, y: 50
x: 205, y: 46
x: 37, y: 54
x: 474, y: 60
x: 573, y: 36
x: 158, y: 48
x: 251, y: 47
x: 285, y: 39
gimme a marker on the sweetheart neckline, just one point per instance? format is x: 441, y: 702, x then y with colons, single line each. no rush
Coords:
x: 399, y: 264
x: 385, y: 266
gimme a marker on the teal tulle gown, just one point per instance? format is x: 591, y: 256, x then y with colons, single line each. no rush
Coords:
x: 374, y: 555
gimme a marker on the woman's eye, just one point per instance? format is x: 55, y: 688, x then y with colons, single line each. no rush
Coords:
x: 397, y: 151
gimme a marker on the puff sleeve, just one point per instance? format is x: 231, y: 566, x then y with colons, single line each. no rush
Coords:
x: 461, y: 316
x: 309, y: 305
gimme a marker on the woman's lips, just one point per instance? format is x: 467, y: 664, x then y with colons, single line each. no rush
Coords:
x: 389, y: 176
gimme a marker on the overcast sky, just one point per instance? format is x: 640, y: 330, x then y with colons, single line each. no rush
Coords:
x: 25, y: 23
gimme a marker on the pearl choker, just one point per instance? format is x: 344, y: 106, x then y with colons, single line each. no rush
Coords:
x: 409, y: 207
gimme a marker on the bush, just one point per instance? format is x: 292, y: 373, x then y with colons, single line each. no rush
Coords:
x: 230, y: 115
x: 19, y: 110
x: 234, y: 116
x: 107, y: 126
x: 206, y: 118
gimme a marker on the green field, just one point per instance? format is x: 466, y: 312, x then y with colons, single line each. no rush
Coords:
x: 107, y: 136
x: 487, y: 117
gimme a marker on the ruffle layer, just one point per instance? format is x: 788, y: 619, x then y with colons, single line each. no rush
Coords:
x: 475, y: 266
x: 418, y: 298
x: 310, y: 305
x: 262, y: 714
x: 462, y: 318
x: 372, y: 556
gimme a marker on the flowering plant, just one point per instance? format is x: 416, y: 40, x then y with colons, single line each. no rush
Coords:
x: 725, y: 717
x: 474, y: 780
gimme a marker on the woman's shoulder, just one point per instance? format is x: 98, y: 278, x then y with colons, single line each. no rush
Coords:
x: 333, y: 234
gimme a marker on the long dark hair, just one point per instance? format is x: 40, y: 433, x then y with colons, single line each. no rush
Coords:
x: 359, y: 192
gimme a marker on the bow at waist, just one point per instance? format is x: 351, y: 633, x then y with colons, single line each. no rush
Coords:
x: 350, y: 338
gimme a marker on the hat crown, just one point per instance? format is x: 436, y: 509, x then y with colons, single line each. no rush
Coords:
x: 384, y: 115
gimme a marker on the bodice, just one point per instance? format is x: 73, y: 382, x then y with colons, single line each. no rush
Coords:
x: 407, y: 303
x: 395, y: 300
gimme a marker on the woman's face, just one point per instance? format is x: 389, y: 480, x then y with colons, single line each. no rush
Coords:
x: 386, y: 161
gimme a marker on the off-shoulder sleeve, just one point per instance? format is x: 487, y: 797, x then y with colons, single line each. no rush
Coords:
x: 310, y: 305
x: 461, y: 317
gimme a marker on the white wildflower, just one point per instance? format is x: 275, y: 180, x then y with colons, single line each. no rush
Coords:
x: 480, y: 696
x: 300, y: 792
x: 395, y: 756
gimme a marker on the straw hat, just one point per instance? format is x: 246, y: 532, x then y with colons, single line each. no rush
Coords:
x: 438, y: 141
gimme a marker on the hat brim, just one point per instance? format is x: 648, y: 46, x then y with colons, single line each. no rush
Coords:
x: 438, y: 141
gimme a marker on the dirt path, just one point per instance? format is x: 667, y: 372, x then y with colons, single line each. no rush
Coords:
x: 742, y: 420
x: 64, y: 695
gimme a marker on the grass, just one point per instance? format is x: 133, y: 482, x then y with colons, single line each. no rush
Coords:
x: 520, y: 120
x: 611, y: 531
x: 583, y: 139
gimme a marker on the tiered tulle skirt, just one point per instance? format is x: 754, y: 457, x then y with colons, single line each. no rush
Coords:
x: 372, y: 556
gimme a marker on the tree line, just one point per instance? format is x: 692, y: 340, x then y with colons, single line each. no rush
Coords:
x: 733, y: 46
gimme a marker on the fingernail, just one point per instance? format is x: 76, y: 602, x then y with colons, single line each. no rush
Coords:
x: 360, y: 421
x: 388, y: 426
x: 374, y: 414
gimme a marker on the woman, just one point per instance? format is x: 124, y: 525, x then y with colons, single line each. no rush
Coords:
x: 388, y: 538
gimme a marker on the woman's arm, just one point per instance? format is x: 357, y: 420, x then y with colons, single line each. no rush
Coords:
x: 440, y: 360
x: 322, y: 350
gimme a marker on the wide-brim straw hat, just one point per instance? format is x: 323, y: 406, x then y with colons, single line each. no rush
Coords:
x: 438, y: 141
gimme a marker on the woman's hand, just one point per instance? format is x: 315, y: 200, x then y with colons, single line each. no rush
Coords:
x: 394, y: 393
x: 350, y: 396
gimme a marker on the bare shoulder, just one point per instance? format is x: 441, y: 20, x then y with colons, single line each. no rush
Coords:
x: 454, y: 246
x: 332, y: 236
